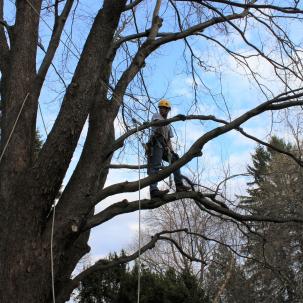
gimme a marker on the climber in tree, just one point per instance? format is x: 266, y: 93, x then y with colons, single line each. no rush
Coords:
x: 160, y: 148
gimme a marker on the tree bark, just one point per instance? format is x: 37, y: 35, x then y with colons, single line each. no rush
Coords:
x: 28, y: 189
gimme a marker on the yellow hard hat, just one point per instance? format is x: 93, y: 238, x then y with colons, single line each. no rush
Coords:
x: 164, y: 103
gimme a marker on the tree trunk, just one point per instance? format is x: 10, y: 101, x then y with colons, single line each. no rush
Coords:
x: 28, y: 188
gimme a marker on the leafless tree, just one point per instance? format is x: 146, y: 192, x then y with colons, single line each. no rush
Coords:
x: 99, y: 87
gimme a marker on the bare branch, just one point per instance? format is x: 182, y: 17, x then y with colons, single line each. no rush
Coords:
x: 128, y: 166
x: 199, y: 28
x: 124, y: 207
x: 277, y: 149
x: 53, y: 66
x: 151, y: 45
x: 120, y: 141
x: 287, y: 10
x: 130, y: 37
x: 183, y: 253
x: 106, y: 264
x: 54, y: 41
x: 139, y: 59
x: 243, y: 218
x: 273, y: 62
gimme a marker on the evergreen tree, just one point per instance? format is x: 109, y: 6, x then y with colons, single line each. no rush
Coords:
x: 276, y: 191
x: 119, y: 285
x: 103, y: 286
x: 38, y: 143
x: 226, y: 280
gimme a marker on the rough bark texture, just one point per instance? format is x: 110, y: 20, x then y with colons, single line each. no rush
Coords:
x: 28, y: 189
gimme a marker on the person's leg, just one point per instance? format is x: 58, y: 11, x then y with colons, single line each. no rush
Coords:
x: 177, y: 175
x: 154, y: 167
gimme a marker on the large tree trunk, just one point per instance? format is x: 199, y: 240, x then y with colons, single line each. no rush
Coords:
x: 28, y: 188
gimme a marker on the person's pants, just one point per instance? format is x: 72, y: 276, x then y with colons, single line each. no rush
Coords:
x: 157, y: 155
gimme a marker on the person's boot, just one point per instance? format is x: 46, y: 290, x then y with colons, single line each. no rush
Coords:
x: 182, y: 187
x: 156, y: 193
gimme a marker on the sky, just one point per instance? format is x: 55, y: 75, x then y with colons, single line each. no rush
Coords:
x: 224, y: 91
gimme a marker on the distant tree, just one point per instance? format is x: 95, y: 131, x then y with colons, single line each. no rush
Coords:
x: 102, y: 286
x: 226, y: 280
x: 120, y: 285
x: 38, y: 144
x: 276, y: 190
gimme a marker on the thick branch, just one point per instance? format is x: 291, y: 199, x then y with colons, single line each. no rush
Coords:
x: 139, y: 59
x: 125, y: 207
x: 102, y: 265
x: 81, y: 94
x: 243, y: 218
x: 127, y: 166
x: 129, y: 38
x: 54, y: 41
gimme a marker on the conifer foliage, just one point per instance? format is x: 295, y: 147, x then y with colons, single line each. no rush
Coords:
x: 276, y: 191
x: 119, y: 284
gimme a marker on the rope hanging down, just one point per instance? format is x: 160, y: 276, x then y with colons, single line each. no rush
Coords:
x: 53, y: 223
x: 14, y: 126
x: 139, y: 215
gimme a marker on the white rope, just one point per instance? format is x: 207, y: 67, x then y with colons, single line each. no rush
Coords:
x: 52, y: 254
x: 43, y: 121
x: 139, y: 231
x: 13, y: 129
x: 53, y: 224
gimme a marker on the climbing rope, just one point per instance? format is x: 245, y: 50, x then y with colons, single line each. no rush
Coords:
x: 139, y: 219
x: 52, y: 253
x: 14, y: 126
x: 53, y: 224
